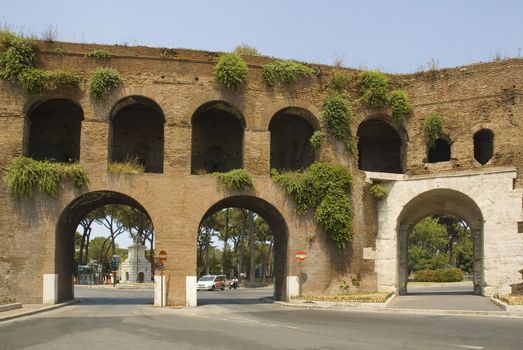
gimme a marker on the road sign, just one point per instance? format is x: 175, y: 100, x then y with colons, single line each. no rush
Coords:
x: 162, y: 256
x: 300, y: 256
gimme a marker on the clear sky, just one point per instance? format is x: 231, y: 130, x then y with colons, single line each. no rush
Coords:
x: 390, y: 35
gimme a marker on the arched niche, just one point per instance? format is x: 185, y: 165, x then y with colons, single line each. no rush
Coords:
x: 137, y: 133
x: 217, y: 138
x: 54, y: 131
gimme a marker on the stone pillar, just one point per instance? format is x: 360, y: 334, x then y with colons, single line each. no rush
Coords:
x: 403, y: 260
x: 50, y: 289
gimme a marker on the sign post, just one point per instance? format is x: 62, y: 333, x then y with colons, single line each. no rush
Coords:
x: 162, y: 258
x: 300, y: 258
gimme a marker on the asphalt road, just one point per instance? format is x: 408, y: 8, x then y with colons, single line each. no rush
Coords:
x: 117, y: 319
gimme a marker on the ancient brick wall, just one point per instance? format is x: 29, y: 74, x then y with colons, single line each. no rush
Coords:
x: 180, y: 81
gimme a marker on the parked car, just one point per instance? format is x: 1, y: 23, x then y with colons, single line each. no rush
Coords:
x: 211, y: 282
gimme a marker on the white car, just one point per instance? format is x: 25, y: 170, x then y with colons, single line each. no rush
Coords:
x: 211, y: 282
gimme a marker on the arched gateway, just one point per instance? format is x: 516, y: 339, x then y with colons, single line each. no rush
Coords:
x: 494, y: 226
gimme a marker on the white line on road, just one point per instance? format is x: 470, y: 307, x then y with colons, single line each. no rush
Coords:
x: 467, y: 346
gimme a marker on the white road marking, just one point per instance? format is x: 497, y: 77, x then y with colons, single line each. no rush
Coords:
x: 467, y: 346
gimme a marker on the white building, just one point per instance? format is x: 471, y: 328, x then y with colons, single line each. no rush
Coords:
x: 136, y: 268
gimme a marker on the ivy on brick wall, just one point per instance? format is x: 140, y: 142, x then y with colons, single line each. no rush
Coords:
x: 326, y: 189
x: 287, y: 72
x: 231, y: 71
x: 24, y: 176
x: 374, y: 89
x: 237, y: 179
x: 102, y: 81
x: 433, y: 128
x: 17, y: 64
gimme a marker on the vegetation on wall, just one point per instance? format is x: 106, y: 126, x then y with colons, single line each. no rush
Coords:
x: 129, y: 166
x: 337, y: 114
x: 379, y: 191
x: 287, y: 72
x: 400, y: 106
x: 339, y: 81
x: 374, y: 88
x: 17, y: 64
x: 237, y: 179
x: 102, y: 81
x: 231, y: 71
x: 324, y: 188
x: 246, y: 49
x: 433, y: 128
x: 99, y: 53
x: 316, y: 140
x: 25, y: 175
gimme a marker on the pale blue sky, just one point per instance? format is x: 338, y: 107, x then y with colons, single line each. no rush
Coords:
x: 393, y: 35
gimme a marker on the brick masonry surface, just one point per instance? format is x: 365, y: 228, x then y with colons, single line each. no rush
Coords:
x: 486, y: 95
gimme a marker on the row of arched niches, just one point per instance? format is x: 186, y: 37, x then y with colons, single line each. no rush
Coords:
x: 137, y: 132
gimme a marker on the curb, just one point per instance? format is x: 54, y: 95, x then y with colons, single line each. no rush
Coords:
x: 40, y: 310
x: 12, y: 306
x: 385, y: 310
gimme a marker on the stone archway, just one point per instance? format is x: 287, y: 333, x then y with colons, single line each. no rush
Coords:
x: 279, y: 229
x: 438, y: 202
x: 58, y: 287
x: 486, y: 200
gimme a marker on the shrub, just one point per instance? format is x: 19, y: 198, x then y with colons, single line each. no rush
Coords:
x: 433, y: 128
x: 129, y: 166
x: 439, y: 275
x: 231, y: 71
x: 100, y: 53
x: 288, y: 72
x: 379, y: 191
x: 17, y: 65
x: 337, y: 114
x: 374, y: 88
x: 245, y: 49
x: 102, y: 81
x: 237, y: 179
x: 316, y: 140
x: 25, y: 175
x: 399, y: 105
x: 339, y: 81
x: 17, y: 55
x: 324, y: 188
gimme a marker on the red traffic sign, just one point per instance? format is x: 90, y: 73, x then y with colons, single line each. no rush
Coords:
x: 300, y: 256
x: 162, y: 256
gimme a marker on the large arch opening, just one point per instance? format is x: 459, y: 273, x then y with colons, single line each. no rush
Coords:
x: 258, y: 227
x: 442, y: 207
x: 291, y: 129
x: 54, y: 131
x: 380, y: 147
x: 137, y: 134
x: 217, y: 138
x: 84, y: 256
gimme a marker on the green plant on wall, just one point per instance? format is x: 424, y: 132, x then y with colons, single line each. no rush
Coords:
x: 100, y: 54
x: 374, y: 88
x: 316, y: 140
x: 237, y: 179
x: 433, y: 128
x: 324, y: 188
x: 339, y: 81
x: 379, y: 191
x: 231, y: 71
x: 102, y: 81
x: 25, y: 176
x: 17, y: 56
x: 287, y: 71
x: 400, y: 106
x: 337, y: 115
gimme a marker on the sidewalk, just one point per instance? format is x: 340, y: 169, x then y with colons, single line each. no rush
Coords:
x: 32, y: 309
